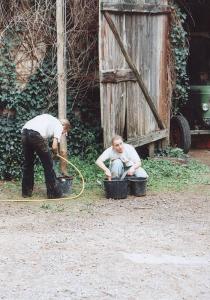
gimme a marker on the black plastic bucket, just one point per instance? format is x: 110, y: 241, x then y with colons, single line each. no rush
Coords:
x: 116, y: 188
x: 129, y: 183
x: 138, y: 186
x: 65, y: 183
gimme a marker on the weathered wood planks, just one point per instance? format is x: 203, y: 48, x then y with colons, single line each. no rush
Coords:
x: 149, y: 138
x: 123, y: 107
x: 134, y: 69
x: 135, y: 8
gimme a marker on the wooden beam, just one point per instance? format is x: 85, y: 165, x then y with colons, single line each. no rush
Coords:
x: 149, y: 138
x: 60, y: 20
x: 61, y: 59
x: 151, y: 147
x: 115, y: 76
x: 136, y: 8
x: 134, y: 69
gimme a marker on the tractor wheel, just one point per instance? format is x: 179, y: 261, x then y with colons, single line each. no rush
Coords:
x: 180, y: 135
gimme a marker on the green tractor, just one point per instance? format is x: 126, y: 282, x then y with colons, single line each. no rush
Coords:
x: 194, y: 118
x: 200, y: 99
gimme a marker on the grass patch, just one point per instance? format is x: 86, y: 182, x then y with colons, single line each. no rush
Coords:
x: 164, y: 175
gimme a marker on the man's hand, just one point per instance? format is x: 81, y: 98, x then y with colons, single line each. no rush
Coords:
x: 55, y: 150
x: 131, y: 171
x: 104, y: 168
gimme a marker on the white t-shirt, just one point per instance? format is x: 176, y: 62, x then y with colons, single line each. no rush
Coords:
x: 128, y: 156
x: 47, y: 125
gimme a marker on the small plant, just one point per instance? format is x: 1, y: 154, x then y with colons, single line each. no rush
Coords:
x: 175, y: 152
x: 46, y: 206
x: 172, y: 152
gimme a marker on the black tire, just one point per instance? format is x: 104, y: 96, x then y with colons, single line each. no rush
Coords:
x: 180, y: 135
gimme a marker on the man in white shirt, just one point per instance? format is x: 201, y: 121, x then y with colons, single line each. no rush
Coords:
x: 35, y: 134
x: 121, y: 157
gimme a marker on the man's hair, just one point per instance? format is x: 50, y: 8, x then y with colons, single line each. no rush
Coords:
x: 65, y: 123
x: 116, y: 137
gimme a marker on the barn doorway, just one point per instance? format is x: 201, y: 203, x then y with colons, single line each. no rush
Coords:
x: 197, y: 110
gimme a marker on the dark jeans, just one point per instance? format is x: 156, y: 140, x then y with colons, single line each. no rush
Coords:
x: 32, y: 143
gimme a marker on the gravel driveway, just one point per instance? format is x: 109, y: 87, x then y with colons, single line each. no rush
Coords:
x: 155, y: 247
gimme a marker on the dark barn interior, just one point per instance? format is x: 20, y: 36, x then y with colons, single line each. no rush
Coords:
x: 198, y: 26
x: 197, y: 110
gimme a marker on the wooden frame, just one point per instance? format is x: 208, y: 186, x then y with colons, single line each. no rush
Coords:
x: 128, y: 83
x: 199, y: 132
x: 149, y: 138
x: 135, y: 71
x: 136, y: 8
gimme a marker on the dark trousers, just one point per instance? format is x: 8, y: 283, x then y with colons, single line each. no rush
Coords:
x: 32, y: 143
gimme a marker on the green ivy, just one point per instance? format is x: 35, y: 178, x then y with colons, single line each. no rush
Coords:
x: 180, y: 52
x: 39, y: 96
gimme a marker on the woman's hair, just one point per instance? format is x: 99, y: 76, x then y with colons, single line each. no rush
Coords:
x: 66, y: 123
x: 116, y: 137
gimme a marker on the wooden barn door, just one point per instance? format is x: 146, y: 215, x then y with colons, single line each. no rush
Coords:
x: 134, y: 78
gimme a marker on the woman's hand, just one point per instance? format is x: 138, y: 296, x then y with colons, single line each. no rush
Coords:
x: 108, y: 174
x: 131, y: 171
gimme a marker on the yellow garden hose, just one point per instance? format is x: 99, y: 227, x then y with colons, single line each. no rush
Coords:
x: 55, y: 199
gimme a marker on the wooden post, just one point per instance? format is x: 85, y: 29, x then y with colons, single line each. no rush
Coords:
x: 151, y: 149
x: 60, y: 20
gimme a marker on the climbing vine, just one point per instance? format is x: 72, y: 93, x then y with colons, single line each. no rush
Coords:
x: 180, y: 52
x: 28, y: 83
x: 19, y: 105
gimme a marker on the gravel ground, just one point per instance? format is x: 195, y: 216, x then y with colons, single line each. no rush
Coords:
x: 154, y: 247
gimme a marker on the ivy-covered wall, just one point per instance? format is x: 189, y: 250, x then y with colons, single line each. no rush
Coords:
x: 39, y: 96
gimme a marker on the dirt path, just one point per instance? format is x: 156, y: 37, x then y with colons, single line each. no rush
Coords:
x: 201, y: 155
